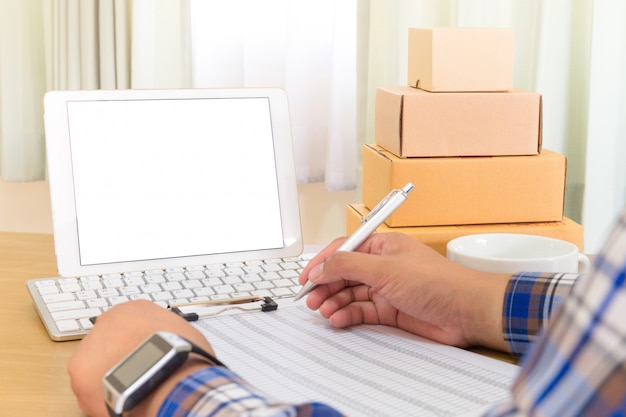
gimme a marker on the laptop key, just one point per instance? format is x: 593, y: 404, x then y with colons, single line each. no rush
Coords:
x: 92, y: 285
x: 204, y: 291
x: 58, y: 297
x: 224, y: 289
x: 65, y: 305
x: 282, y: 292
x: 269, y: 276
x: 150, y: 288
x: 85, y: 324
x: 70, y: 287
x: 97, y: 303
x: 263, y: 285
x: 48, y: 289
x: 118, y: 300
x: 252, y: 269
x: 108, y: 292
x: 283, y: 283
x: 75, y: 314
x: 154, y: 279
x: 140, y: 297
x: 290, y: 265
x: 162, y: 296
x: 232, y: 279
x: 67, y: 325
x: 175, y: 276
x: 86, y: 295
x: 171, y: 286
x: 195, y: 275
x: 289, y: 274
x: 271, y: 267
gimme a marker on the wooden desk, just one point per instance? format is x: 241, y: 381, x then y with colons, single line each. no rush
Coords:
x: 33, y: 375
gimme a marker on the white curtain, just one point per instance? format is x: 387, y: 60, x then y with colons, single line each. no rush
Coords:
x: 161, y: 44
x: 304, y: 47
x: 117, y: 44
x: 22, y: 84
x: 573, y: 53
x: 48, y: 45
x: 87, y: 44
x: 605, y: 174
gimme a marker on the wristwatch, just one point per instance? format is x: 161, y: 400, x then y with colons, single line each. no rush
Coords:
x: 143, y: 370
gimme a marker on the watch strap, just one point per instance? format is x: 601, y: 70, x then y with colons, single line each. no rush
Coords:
x: 111, y: 412
x: 199, y: 351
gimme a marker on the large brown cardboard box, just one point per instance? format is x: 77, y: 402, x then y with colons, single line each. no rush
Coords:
x: 414, y: 123
x: 437, y: 237
x: 467, y: 190
x: 461, y: 59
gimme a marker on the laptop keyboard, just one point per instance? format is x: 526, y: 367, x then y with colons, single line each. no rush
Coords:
x: 66, y: 305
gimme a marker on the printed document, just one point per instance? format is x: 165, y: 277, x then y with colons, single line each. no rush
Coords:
x: 295, y: 356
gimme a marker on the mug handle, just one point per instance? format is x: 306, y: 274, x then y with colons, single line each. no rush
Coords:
x: 583, y: 263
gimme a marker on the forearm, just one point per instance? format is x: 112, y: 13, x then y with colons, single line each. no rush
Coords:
x: 481, y: 300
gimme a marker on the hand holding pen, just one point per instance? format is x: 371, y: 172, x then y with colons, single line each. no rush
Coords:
x: 369, y: 224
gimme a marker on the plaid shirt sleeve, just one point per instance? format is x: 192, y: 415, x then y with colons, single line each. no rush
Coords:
x: 529, y: 302
x: 577, y: 366
x: 218, y: 392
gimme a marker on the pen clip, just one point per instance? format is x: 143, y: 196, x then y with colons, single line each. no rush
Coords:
x: 380, y: 205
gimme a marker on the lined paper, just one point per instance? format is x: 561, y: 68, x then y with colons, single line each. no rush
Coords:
x: 294, y: 355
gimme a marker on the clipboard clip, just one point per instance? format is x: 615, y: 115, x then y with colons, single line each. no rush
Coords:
x: 213, y: 308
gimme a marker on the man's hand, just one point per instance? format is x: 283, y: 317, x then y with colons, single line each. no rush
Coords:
x: 397, y: 281
x: 118, y: 332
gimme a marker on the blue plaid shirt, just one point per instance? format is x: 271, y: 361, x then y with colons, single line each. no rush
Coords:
x: 572, y: 332
x: 219, y: 392
x: 577, y: 365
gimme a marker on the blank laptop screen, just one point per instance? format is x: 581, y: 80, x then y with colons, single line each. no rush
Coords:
x: 171, y: 178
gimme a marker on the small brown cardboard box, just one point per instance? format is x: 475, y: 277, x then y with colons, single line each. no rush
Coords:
x: 437, y: 237
x: 414, y: 123
x: 467, y: 190
x: 461, y: 59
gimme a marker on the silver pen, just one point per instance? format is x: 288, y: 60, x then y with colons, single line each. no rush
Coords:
x: 369, y: 224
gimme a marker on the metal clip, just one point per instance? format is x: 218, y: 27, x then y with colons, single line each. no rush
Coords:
x: 380, y: 205
x: 211, y: 308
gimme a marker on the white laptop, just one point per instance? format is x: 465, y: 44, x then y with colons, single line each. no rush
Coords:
x: 164, y: 180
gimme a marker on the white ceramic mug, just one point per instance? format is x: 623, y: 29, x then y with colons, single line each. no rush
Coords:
x: 511, y: 253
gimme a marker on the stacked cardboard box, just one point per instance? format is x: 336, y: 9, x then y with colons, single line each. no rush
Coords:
x: 470, y: 144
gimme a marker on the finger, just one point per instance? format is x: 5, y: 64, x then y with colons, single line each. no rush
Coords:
x: 376, y: 244
x: 322, y: 293
x: 342, y: 298
x: 349, y: 316
x: 358, y: 267
x: 320, y: 258
x: 359, y: 312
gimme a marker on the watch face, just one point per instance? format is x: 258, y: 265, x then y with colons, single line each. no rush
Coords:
x: 139, y: 363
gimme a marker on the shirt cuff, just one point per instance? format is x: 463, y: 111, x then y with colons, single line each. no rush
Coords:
x: 219, y: 392
x: 211, y: 391
x: 530, y: 300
